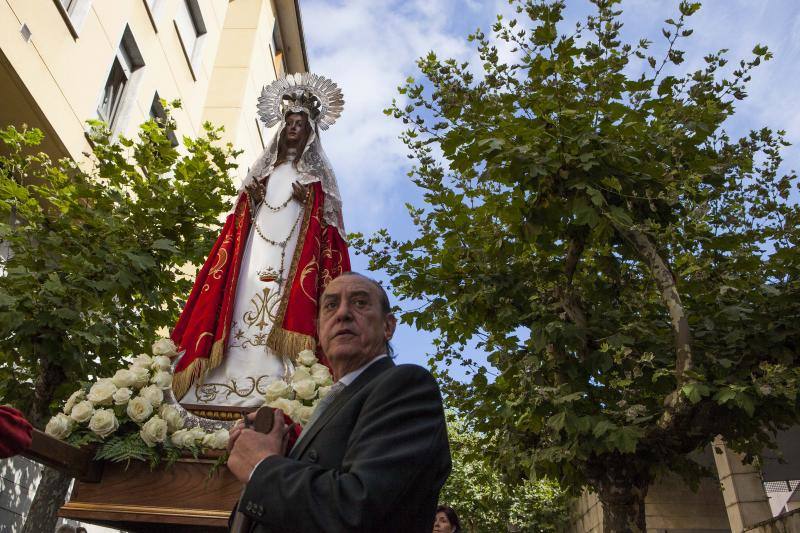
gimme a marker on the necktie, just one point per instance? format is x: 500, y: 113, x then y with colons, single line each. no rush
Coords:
x: 323, y: 404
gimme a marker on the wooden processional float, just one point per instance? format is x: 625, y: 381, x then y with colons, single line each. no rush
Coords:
x: 187, y: 496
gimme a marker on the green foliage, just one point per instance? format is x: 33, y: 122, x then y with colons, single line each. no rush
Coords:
x: 221, y: 461
x: 631, y: 270
x: 486, y: 501
x: 125, y: 447
x: 96, y: 251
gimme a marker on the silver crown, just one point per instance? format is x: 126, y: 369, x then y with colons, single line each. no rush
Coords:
x: 318, y: 96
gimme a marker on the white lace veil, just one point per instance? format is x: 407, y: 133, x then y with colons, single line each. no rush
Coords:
x: 313, y: 165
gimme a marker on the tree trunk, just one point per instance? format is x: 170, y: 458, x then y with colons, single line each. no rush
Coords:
x: 50, y: 496
x: 50, y: 377
x: 623, y: 509
x: 621, y: 482
x: 52, y: 490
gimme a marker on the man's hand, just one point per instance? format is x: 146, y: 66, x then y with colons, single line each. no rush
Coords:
x: 248, y: 447
x: 299, y: 191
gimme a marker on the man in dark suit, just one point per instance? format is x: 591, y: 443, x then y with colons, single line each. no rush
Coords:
x: 374, y: 458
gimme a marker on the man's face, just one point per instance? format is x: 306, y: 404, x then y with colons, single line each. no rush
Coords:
x: 295, y: 125
x: 352, y: 326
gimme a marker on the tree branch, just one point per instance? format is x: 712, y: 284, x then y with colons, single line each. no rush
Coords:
x: 672, y: 300
x: 568, y: 300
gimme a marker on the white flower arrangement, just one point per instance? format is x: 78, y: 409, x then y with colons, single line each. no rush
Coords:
x: 298, y: 395
x: 127, y: 416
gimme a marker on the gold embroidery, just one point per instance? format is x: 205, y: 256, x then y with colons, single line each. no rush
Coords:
x: 208, y: 392
x: 309, y: 268
x: 200, y: 337
x: 222, y: 258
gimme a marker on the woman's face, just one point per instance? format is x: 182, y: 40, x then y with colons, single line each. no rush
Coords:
x: 295, y: 125
x: 442, y: 524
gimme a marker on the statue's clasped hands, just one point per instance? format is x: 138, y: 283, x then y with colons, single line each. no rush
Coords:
x: 257, y: 189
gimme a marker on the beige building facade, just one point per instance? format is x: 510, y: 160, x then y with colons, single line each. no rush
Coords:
x: 63, y: 62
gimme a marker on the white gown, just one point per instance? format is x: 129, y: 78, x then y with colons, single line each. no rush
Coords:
x: 249, y: 365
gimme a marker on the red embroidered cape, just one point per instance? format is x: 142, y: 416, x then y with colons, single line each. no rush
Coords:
x: 203, y: 327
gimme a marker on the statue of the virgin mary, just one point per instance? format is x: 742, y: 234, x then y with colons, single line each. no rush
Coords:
x: 254, y: 302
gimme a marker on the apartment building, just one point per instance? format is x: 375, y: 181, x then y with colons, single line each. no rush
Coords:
x: 63, y: 62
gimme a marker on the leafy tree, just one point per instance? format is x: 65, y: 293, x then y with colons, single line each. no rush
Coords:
x: 486, y: 501
x: 95, y: 251
x: 630, y: 269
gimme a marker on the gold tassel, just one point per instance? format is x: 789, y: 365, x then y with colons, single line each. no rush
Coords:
x: 289, y: 343
x: 197, y: 370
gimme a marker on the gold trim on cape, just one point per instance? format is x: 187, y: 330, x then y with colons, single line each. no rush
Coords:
x: 197, y: 369
x: 282, y: 341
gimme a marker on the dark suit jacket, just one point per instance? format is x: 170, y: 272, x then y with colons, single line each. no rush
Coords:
x: 375, y: 461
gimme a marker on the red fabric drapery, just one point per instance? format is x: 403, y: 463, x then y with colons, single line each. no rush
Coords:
x: 15, y: 432
x: 203, y: 327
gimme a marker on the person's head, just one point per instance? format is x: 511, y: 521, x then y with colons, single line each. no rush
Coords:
x: 446, y: 520
x: 293, y: 135
x: 355, y: 322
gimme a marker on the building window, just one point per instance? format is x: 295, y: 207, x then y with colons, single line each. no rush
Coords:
x: 153, y: 8
x: 74, y: 13
x: 278, y: 59
x: 119, y: 86
x: 191, y: 31
x: 158, y: 114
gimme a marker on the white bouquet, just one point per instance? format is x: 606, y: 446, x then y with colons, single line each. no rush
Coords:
x: 298, y: 395
x: 126, y: 416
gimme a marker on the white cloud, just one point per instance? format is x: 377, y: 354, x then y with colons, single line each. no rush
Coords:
x: 369, y: 48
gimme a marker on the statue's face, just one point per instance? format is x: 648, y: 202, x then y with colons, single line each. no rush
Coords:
x: 295, y: 126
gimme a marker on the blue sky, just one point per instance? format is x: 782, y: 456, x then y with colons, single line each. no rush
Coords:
x: 369, y: 47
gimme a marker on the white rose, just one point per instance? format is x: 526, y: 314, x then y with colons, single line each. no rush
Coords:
x: 304, y: 414
x: 122, y: 396
x: 278, y: 389
x: 323, y: 391
x: 162, y: 380
x: 165, y: 347
x: 59, y: 427
x: 196, y: 434
x: 139, y: 409
x: 161, y: 362
x: 153, y: 394
x: 142, y: 375
x: 321, y: 374
x: 285, y: 405
x: 104, y: 422
x: 295, y: 409
x: 123, y: 378
x: 143, y: 360
x: 301, y: 373
x: 102, y: 392
x: 217, y: 440
x: 172, y: 417
x: 306, y: 358
x: 76, y: 397
x: 82, y: 412
x: 305, y: 390
x: 154, y: 431
x: 182, y: 438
